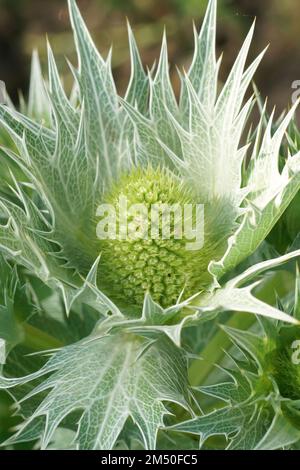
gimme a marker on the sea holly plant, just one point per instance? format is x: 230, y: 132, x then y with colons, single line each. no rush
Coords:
x: 130, y: 218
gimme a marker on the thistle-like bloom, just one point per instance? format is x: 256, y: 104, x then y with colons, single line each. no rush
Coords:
x: 93, y: 149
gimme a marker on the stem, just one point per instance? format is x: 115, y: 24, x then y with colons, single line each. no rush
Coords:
x: 36, y: 339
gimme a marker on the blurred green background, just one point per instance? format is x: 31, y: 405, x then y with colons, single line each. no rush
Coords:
x: 24, y: 24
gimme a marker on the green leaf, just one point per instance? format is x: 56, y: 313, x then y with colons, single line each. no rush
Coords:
x: 252, y: 432
x: 38, y: 106
x: 227, y: 421
x: 138, y: 89
x: 255, y: 345
x: 97, y: 88
x: 163, y: 103
x: 281, y: 433
x: 203, y: 70
x: 272, y: 192
x: 228, y: 391
x: 233, y: 297
x: 109, y: 379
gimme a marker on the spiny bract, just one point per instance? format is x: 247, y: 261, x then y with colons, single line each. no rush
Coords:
x: 74, y: 154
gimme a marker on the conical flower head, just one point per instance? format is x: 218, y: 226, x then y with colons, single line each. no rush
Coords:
x: 153, y: 218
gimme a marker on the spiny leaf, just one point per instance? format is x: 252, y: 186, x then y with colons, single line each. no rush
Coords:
x: 38, y: 106
x: 138, y: 87
x: 262, y: 212
x: 281, y: 433
x: 203, y: 70
x: 102, y: 126
x: 109, y: 379
x: 254, y: 345
x: 227, y: 421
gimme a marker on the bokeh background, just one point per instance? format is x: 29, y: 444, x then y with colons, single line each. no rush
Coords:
x: 24, y: 24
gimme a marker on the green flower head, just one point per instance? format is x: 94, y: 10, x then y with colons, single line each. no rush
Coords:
x: 153, y: 253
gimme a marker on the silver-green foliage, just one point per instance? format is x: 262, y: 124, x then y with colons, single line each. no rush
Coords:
x: 261, y: 399
x: 71, y: 151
